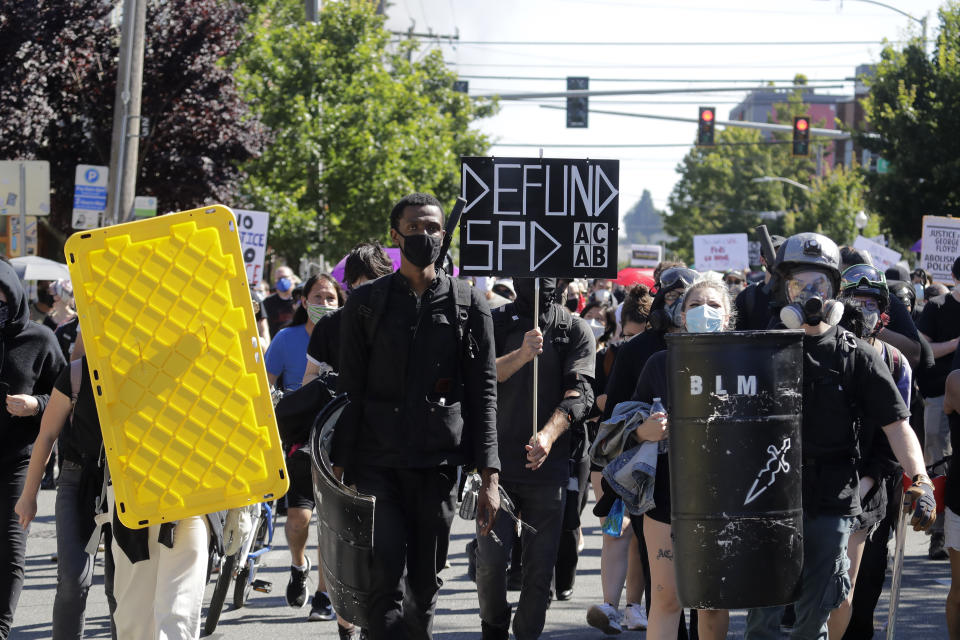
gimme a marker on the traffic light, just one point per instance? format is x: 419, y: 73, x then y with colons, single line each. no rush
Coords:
x: 708, y: 119
x: 577, y: 108
x: 801, y: 136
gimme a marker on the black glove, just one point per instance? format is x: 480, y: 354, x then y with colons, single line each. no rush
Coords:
x: 924, y: 505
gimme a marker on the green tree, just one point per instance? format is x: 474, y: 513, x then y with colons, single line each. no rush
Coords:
x: 912, y: 110
x: 358, y: 122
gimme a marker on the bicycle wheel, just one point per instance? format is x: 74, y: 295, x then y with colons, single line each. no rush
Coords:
x: 219, y: 594
x: 243, y: 587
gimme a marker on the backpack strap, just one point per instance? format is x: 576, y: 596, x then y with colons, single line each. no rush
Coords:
x: 371, y: 314
x: 560, y: 334
x: 846, y: 356
x: 462, y: 303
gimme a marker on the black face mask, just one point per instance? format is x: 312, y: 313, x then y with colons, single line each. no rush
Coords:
x: 525, y: 288
x: 44, y: 297
x: 572, y: 304
x: 421, y: 249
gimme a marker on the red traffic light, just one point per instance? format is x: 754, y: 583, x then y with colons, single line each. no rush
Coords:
x: 802, y: 124
x: 706, y: 115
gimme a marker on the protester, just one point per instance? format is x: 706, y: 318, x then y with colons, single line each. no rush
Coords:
x: 42, y: 306
x: 536, y: 484
x: 705, y: 307
x: 286, y: 361
x: 30, y: 362
x: 735, y: 281
x: 951, y: 405
x: 366, y: 261
x: 286, y: 357
x: 71, y: 416
x: 753, y: 304
x: 866, y: 298
x: 279, y: 305
x: 422, y: 403
x: 602, y: 320
x: 840, y: 373
x: 940, y: 324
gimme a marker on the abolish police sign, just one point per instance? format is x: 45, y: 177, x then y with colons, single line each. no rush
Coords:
x: 539, y: 217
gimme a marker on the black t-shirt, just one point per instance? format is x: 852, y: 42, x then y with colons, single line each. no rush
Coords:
x: 514, y: 406
x: 631, y: 357
x: 830, y: 480
x: 324, y: 343
x: 940, y: 322
x: 278, y: 311
x: 81, y: 437
x: 67, y: 336
x: 753, y: 307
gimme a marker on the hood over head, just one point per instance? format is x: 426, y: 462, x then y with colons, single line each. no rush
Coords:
x: 18, y: 310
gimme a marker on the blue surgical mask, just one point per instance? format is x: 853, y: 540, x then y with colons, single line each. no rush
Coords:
x: 284, y: 284
x: 704, y: 319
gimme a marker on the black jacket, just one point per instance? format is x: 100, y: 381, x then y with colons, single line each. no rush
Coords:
x: 419, y: 397
x: 30, y: 361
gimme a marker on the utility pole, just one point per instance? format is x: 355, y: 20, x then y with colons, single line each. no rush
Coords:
x: 126, y: 108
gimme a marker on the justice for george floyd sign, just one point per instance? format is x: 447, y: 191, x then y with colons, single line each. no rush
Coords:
x: 539, y: 217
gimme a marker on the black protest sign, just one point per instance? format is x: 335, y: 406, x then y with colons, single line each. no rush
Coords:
x: 543, y: 217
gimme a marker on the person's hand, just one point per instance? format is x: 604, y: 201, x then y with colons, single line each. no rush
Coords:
x: 538, y: 449
x: 924, y: 505
x: 532, y: 344
x: 22, y: 405
x: 488, y: 501
x: 653, y: 429
x: 238, y: 526
x: 27, y: 510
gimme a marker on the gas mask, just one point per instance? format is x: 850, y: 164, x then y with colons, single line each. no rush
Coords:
x: 810, y: 300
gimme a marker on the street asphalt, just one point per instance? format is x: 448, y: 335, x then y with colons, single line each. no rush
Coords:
x: 920, y: 614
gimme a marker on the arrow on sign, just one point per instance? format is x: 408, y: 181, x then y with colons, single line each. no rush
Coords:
x: 486, y: 189
x: 598, y: 207
x: 533, y: 246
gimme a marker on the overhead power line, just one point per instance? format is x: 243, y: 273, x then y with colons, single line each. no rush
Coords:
x: 633, y: 92
x: 600, y: 65
x: 635, y: 43
x: 691, y: 80
x: 643, y: 145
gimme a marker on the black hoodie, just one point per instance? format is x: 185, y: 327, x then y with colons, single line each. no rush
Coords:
x: 30, y: 361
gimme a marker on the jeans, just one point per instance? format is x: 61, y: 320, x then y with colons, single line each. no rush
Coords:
x: 74, y: 564
x: 13, y: 549
x: 413, y: 514
x: 540, y: 506
x: 824, y: 582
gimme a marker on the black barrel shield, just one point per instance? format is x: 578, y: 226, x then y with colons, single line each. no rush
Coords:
x: 736, y: 510
x: 345, y: 525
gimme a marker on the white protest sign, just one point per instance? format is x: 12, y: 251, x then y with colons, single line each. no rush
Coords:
x: 883, y: 258
x: 721, y: 251
x: 252, y: 226
x: 941, y: 246
x: 645, y: 255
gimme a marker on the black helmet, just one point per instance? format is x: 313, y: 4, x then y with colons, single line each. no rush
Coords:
x: 809, y: 251
x: 866, y: 280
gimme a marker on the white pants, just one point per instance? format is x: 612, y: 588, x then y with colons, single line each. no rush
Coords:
x: 161, y: 598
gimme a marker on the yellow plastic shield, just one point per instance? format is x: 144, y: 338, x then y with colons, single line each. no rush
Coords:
x: 176, y: 367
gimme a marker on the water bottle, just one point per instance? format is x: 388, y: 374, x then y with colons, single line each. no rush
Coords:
x: 664, y: 445
x: 613, y: 523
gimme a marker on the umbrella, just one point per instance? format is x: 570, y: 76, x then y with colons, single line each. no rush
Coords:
x: 37, y: 268
x: 633, y: 275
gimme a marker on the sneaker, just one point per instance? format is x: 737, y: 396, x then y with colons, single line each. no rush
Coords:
x: 936, y: 551
x: 321, y: 608
x: 635, y: 617
x: 604, y: 617
x: 297, y: 587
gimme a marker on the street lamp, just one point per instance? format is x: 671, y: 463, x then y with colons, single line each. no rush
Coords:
x: 779, y: 179
x: 861, y: 220
x: 921, y: 21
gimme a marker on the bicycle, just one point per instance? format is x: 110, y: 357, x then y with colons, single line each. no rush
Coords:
x: 240, y: 569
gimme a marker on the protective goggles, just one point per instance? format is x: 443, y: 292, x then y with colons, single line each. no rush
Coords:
x: 862, y: 273
x: 671, y: 276
x: 804, y: 285
x: 864, y: 303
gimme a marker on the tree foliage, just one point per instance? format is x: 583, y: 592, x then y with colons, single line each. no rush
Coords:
x: 359, y: 121
x: 58, y: 59
x: 912, y: 109
x: 727, y: 188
